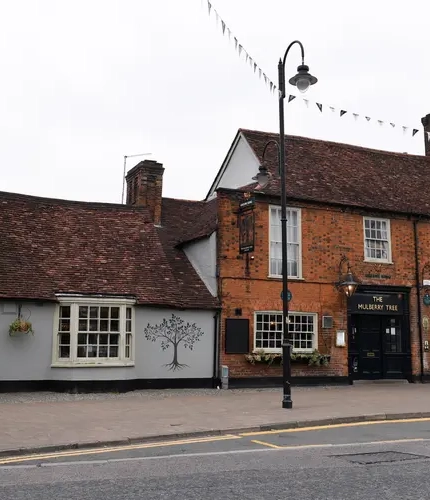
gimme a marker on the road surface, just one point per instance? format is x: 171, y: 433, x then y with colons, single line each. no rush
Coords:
x: 382, y: 460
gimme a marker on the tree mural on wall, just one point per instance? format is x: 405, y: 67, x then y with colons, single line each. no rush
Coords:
x: 174, y: 332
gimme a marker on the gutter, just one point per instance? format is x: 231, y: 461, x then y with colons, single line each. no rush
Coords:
x: 417, y: 279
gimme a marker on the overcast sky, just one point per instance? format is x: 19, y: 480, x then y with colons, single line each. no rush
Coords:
x: 85, y: 82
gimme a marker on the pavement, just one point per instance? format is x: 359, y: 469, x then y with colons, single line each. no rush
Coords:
x: 37, y: 422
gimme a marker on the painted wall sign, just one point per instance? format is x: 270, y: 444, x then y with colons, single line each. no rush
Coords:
x: 377, y: 303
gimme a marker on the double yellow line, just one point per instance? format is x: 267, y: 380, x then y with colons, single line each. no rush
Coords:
x: 209, y: 439
x: 96, y: 451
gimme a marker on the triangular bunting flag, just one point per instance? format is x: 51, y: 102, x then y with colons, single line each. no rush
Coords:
x: 380, y: 122
x: 240, y: 49
x: 306, y: 101
x: 404, y: 129
x: 271, y: 86
x: 291, y: 97
x: 255, y: 67
x: 274, y: 87
x: 223, y: 27
x: 368, y: 118
x: 355, y: 115
x: 216, y: 17
x: 332, y: 109
x: 209, y: 8
x: 414, y: 131
x: 265, y: 78
x: 319, y: 106
x: 392, y: 124
x: 229, y: 34
x: 246, y: 56
x: 235, y: 43
x: 342, y: 112
x: 259, y: 73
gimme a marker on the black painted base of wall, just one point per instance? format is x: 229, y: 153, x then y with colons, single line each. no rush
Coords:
x: 425, y: 379
x: 257, y: 382
x: 88, y: 386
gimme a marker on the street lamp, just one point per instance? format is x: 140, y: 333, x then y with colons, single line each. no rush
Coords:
x: 303, y: 80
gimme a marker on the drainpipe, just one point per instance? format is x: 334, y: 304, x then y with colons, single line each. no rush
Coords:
x: 418, y: 285
x: 215, y: 375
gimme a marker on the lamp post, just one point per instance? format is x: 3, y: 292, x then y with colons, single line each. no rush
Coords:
x: 302, y: 81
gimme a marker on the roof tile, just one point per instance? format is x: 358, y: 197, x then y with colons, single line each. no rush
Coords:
x: 338, y: 173
x: 49, y: 246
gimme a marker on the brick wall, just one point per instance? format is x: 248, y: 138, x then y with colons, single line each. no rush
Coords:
x: 327, y: 234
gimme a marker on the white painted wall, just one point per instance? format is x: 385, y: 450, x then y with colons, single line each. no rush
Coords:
x: 202, y: 255
x: 240, y: 167
x: 28, y: 357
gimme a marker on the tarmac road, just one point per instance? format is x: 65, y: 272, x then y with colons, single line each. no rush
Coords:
x: 370, y: 460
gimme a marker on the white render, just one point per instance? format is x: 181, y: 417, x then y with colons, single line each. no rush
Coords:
x: 202, y: 256
x: 30, y: 357
x: 238, y: 169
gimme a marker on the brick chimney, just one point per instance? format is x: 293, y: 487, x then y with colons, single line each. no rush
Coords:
x: 426, y: 123
x: 145, y: 187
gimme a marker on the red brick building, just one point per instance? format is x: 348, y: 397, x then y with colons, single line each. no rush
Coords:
x: 346, y: 205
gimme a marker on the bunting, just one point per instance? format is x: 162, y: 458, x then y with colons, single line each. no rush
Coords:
x: 239, y: 48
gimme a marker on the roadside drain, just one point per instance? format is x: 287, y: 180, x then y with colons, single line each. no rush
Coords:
x: 380, y: 457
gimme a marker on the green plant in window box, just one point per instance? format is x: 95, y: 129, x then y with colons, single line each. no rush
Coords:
x: 20, y: 326
x: 314, y: 358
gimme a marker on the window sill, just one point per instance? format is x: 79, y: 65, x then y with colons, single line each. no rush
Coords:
x: 73, y: 364
x: 290, y: 278
x: 379, y: 261
x: 279, y: 351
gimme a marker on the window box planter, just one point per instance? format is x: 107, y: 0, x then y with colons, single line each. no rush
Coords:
x: 314, y: 358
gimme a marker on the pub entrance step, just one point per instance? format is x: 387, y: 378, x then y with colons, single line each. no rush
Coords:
x: 381, y: 381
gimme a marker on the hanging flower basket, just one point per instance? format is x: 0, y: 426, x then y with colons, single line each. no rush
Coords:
x: 20, y: 326
x: 314, y: 358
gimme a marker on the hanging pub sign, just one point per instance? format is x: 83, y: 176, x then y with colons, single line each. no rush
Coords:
x: 246, y: 224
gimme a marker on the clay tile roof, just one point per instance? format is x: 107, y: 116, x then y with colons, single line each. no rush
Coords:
x: 338, y: 173
x: 50, y: 246
x: 189, y: 220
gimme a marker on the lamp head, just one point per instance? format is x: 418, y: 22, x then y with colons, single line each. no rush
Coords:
x: 303, y: 80
x: 262, y: 177
x: 349, y: 285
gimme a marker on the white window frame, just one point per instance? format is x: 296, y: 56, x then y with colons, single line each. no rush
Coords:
x: 73, y: 361
x: 299, y: 238
x: 372, y: 259
x: 279, y: 349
